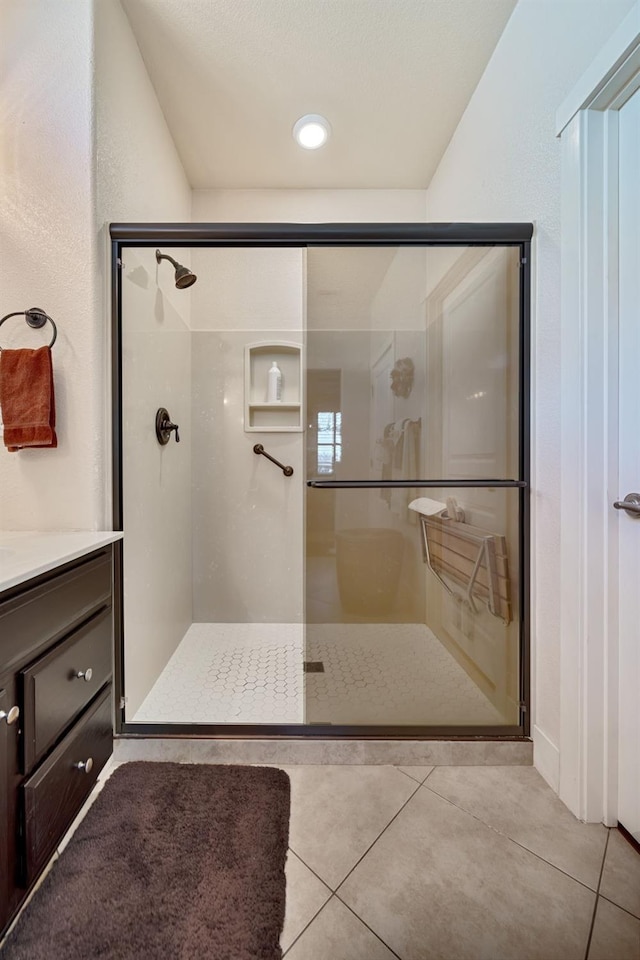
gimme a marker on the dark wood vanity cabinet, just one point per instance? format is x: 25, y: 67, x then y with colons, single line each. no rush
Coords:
x: 56, y: 642
x: 9, y: 781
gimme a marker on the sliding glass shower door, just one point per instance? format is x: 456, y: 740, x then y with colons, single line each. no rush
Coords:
x: 213, y: 545
x: 332, y: 541
x: 412, y: 581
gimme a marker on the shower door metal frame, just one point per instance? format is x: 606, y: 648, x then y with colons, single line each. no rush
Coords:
x: 258, y: 235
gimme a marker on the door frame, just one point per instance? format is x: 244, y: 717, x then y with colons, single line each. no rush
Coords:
x: 518, y: 235
x: 585, y: 770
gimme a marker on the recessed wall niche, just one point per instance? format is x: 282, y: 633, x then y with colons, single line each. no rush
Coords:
x: 262, y: 415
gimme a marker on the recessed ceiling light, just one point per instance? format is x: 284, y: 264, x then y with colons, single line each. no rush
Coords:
x: 311, y: 131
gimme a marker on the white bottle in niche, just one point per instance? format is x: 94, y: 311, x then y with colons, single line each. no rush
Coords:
x: 274, y: 383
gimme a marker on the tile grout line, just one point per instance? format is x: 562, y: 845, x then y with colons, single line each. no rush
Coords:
x: 328, y: 900
x: 419, y: 782
x: 595, y: 905
x: 517, y: 843
x: 316, y: 875
x: 305, y: 928
x: 619, y: 906
x: 371, y: 845
x: 376, y: 935
x: 324, y: 882
x: 549, y: 864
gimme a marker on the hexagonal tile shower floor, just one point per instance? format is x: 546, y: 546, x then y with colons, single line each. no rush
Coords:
x: 389, y: 673
x: 383, y: 674
x: 231, y: 673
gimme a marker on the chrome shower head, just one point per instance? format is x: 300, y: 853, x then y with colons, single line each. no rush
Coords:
x: 184, y: 277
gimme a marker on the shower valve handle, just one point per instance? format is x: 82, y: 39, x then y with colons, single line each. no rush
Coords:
x: 172, y: 426
x: 164, y: 426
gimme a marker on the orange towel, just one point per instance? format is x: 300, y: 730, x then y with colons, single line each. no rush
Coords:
x: 26, y: 398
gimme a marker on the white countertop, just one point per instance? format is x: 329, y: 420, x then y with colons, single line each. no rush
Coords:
x: 27, y: 554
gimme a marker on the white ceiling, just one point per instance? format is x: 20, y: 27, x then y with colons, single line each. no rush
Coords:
x: 393, y: 78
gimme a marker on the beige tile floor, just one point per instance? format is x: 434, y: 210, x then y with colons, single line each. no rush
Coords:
x: 450, y: 863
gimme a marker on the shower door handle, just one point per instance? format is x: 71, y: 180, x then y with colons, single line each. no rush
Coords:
x: 398, y: 484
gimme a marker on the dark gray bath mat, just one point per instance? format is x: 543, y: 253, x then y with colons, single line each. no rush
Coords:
x: 172, y: 862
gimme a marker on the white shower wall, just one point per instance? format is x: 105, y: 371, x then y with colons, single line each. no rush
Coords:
x: 156, y: 479
x: 247, y: 516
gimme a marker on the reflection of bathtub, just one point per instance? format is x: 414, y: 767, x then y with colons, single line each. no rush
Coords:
x: 369, y: 561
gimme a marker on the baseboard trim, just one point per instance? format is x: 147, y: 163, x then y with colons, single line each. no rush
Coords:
x: 546, y: 758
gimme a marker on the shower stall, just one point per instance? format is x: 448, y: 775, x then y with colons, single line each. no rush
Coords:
x: 321, y: 469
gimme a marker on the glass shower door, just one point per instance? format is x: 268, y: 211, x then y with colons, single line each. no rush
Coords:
x: 414, y: 495
x: 380, y: 585
x: 213, y: 546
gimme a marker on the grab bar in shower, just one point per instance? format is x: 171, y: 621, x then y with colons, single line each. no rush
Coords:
x: 260, y: 450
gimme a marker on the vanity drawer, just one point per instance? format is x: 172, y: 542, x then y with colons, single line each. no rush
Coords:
x: 54, y: 695
x: 53, y: 795
x: 39, y: 616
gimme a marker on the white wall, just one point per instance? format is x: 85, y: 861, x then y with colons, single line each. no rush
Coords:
x: 140, y: 178
x: 54, y: 62
x: 503, y: 163
x: 48, y: 253
x: 308, y: 206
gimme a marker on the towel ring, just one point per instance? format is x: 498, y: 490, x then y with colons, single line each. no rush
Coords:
x: 35, y: 318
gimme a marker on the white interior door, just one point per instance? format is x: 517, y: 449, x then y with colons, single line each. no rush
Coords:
x: 629, y: 467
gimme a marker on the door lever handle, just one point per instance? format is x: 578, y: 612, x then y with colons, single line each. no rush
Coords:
x: 630, y: 504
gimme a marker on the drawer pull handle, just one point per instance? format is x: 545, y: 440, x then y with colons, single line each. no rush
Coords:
x: 84, y: 674
x: 11, y: 716
x: 84, y: 766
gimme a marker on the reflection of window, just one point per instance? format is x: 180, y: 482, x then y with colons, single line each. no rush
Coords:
x: 329, y: 441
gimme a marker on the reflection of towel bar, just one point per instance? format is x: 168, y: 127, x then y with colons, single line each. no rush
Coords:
x: 476, y: 554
